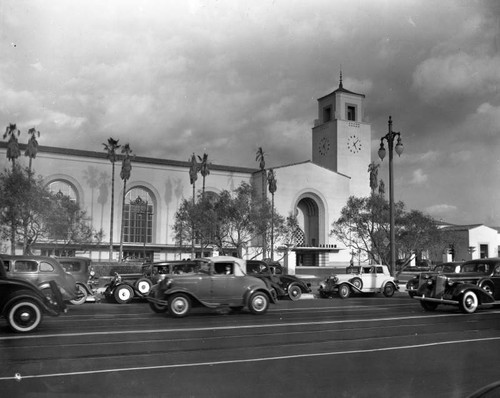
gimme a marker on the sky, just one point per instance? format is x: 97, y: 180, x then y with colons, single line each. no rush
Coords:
x: 226, y: 77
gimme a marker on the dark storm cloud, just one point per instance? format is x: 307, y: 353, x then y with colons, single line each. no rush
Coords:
x: 226, y: 77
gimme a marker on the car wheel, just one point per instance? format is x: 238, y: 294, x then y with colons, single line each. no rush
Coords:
x: 143, y: 285
x: 258, y: 303
x: 294, y: 292
x: 82, y: 292
x: 468, y: 302
x: 123, y: 294
x: 179, y: 305
x: 358, y: 283
x: 411, y: 294
x: 24, y: 315
x: 428, y: 306
x: 158, y: 308
x: 323, y: 294
x: 389, y: 290
x: 344, y: 291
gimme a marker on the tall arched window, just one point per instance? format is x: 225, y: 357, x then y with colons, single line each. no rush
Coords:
x: 63, y: 187
x: 138, y: 216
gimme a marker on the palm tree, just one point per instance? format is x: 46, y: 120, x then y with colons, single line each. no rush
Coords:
x: 111, y: 148
x: 13, y: 151
x: 271, y: 179
x: 204, y: 169
x: 32, y: 147
x: 260, y: 157
x: 125, y: 175
x: 193, y: 176
x: 31, y: 151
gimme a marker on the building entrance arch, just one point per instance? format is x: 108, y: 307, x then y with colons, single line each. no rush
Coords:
x: 310, y: 235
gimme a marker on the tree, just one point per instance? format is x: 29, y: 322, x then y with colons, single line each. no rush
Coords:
x: 36, y: 214
x: 229, y: 221
x: 32, y: 147
x: 260, y: 157
x: 111, y: 148
x: 13, y: 151
x: 31, y: 151
x: 363, y: 226
x: 204, y: 169
x: 124, y: 175
x: 193, y: 176
x: 66, y: 224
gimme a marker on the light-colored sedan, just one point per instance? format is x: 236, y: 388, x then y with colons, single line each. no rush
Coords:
x: 360, y: 279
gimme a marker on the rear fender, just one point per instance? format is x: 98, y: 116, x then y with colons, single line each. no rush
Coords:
x: 252, y: 290
x: 87, y: 289
x: 393, y: 283
x: 164, y: 295
x: 483, y: 296
x: 23, y: 294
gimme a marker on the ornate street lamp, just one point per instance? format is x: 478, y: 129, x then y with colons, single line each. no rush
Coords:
x: 389, y: 137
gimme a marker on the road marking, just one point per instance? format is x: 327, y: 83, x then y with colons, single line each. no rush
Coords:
x: 20, y: 377
x: 254, y: 326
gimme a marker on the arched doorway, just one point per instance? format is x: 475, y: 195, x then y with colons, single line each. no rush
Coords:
x: 308, y: 236
x: 307, y: 217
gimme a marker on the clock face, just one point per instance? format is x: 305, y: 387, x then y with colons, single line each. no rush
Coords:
x: 354, y: 143
x: 324, y: 146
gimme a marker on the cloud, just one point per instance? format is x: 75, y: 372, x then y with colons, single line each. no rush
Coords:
x: 418, y: 177
x: 458, y: 74
x: 441, y: 210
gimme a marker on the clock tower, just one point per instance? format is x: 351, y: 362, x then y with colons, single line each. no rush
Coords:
x: 341, y: 140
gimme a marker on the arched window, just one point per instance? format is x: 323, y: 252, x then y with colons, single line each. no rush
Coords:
x: 63, y: 187
x: 138, y: 216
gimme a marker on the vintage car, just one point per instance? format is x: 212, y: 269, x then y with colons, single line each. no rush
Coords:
x: 124, y: 287
x: 444, y: 268
x: 158, y: 271
x: 23, y: 304
x: 40, y: 271
x: 360, y: 279
x: 86, y: 280
x: 218, y: 282
x: 477, y: 283
x: 285, y: 285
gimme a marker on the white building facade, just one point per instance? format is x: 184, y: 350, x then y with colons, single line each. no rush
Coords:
x: 315, y: 190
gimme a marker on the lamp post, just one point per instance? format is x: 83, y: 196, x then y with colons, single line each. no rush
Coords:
x: 389, y: 137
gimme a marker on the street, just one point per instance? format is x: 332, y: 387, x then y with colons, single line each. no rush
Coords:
x: 368, y: 346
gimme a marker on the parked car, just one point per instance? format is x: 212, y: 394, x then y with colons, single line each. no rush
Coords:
x: 86, y: 281
x: 477, y: 283
x: 124, y: 287
x: 444, y: 268
x: 40, y: 271
x: 285, y: 285
x: 23, y: 305
x: 218, y: 282
x: 360, y: 279
x: 158, y: 271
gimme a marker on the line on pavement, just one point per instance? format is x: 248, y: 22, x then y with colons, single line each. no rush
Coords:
x: 20, y: 377
x: 253, y: 326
